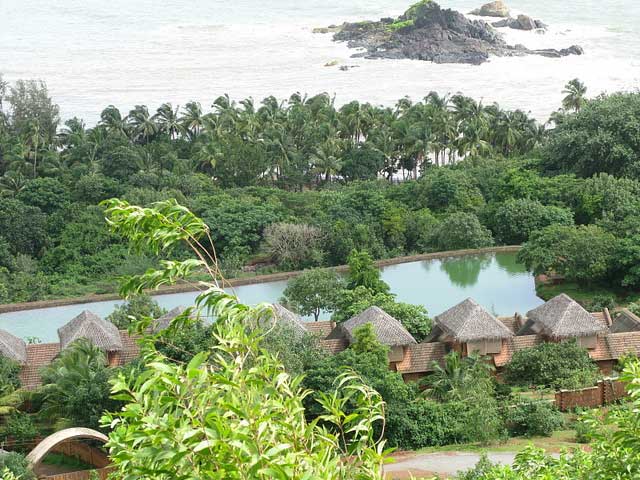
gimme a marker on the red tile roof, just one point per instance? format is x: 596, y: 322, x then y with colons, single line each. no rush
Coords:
x: 334, y: 346
x: 322, y: 328
x: 419, y: 358
x: 42, y: 354
x: 38, y: 356
x: 512, y: 345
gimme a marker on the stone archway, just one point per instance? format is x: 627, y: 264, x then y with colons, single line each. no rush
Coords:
x: 50, y: 443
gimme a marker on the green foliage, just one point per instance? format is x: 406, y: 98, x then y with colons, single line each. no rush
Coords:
x: 533, y: 419
x: 296, y: 352
x: 232, y: 411
x: 20, y: 427
x: 515, y: 220
x: 182, y: 343
x: 76, y: 386
x: 613, y: 450
x: 584, y: 254
x: 14, y: 466
x: 604, y: 136
x: 461, y: 231
x: 552, y: 365
x: 313, y: 291
x: 9, y: 376
x: 135, y: 308
x: 364, y: 273
x: 22, y: 226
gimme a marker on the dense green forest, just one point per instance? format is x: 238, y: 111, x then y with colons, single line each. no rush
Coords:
x: 301, y: 183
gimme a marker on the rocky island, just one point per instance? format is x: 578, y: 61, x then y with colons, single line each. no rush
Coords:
x: 427, y: 32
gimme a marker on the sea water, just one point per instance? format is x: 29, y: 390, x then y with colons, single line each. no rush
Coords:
x: 93, y: 53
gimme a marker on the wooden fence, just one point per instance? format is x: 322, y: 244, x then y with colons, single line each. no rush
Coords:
x: 605, y: 392
x: 103, y: 473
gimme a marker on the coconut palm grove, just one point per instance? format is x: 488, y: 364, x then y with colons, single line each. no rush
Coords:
x: 340, y: 378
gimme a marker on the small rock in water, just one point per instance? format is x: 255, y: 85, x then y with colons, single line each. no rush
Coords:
x: 523, y: 22
x: 492, y: 9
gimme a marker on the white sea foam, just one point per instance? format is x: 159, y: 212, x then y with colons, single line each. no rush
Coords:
x: 94, y: 53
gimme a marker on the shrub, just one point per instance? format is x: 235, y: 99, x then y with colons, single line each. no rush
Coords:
x: 137, y: 307
x: 533, y: 419
x: 20, y: 427
x: 9, y: 376
x: 554, y: 365
x: 600, y: 302
x: 294, y: 246
x: 462, y: 230
x: 516, y: 219
x: 17, y: 465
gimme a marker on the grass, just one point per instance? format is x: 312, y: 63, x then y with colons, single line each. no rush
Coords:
x: 562, y: 439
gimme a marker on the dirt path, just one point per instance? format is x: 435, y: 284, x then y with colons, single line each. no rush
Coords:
x: 443, y: 464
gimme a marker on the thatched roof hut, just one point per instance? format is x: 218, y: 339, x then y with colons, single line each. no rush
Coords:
x: 101, y: 333
x: 563, y: 317
x: 388, y: 330
x: 13, y: 347
x: 163, y: 322
x: 287, y: 318
x: 469, y: 321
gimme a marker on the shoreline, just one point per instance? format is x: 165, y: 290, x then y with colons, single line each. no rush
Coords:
x: 237, y: 282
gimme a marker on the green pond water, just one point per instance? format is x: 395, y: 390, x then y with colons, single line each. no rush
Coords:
x: 496, y: 281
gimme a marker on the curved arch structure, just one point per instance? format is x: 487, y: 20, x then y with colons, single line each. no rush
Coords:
x: 45, y: 446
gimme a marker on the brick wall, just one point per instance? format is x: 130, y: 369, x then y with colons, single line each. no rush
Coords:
x: 606, y: 391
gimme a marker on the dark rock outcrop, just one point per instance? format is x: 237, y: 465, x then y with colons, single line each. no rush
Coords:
x: 428, y: 32
x: 523, y: 22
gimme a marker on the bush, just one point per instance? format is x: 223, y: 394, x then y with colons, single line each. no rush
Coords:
x: 516, y: 219
x: 17, y: 464
x: 554, y: 365
x: 9, y: 376
x: 600, y: 302
x: 460, y: 231
x: 137, y: 307
x: 20, y: 427
x: 533, y: 419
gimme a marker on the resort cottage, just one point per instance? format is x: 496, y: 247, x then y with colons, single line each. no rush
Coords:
x: 465, y: 328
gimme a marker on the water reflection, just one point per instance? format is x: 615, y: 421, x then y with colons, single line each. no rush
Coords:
x: 509, y: 264
x: 502, y: 286
x: 465, y: 271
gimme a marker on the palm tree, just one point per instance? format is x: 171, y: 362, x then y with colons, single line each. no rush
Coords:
x: 575, y: 91
x: 12, y: 183
x: 192, y: 119
x: 166, y: 119
x: 452, y: 380
x: 142, y: 124
x: 112, y: 120
x: 326, y: 159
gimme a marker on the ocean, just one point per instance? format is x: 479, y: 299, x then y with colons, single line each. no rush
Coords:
x: 93, y: 53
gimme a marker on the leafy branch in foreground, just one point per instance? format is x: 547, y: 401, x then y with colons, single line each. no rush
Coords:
x: 231, y: 412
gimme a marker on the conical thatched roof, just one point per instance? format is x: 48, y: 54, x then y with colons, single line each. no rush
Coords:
x: 165, y: 320
x: 469, y: 321
x: 13, y: 347
x: 101, y: 333
x: 286, y: 317
x: 389, y: 331
x: 563, y: 317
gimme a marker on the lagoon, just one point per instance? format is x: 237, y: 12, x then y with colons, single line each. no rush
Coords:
x: 496, y: 281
